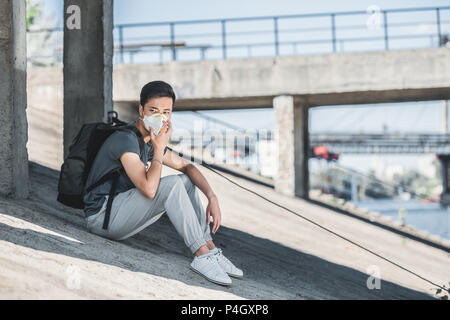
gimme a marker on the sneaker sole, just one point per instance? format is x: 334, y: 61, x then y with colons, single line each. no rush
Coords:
x: 235, y: 276
x: 212, y: 280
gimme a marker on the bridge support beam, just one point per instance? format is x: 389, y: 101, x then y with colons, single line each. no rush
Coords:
x: 292, y: 138
x: 88, y: 51
x: 13, y: 100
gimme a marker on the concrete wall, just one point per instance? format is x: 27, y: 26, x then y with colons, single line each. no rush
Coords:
x: 13, y: 100
x: 337, y: 78
x: 45, y: 116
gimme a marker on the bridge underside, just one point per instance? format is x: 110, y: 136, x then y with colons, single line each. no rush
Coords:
x: 325, y: 99
x: 292, y: 116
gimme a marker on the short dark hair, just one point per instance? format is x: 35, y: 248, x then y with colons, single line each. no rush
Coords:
x: 156, y: 88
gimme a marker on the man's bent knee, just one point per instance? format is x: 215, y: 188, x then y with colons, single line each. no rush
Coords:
x: 170, y: 181
x: 186, y: 181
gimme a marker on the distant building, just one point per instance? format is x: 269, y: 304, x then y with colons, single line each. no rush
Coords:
x: 268, y: 160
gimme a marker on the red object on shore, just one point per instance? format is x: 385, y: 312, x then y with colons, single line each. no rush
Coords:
x: 321, y: 152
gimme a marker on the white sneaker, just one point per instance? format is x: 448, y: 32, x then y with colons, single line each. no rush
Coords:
x: 207, y: 266
x: 226, y: 264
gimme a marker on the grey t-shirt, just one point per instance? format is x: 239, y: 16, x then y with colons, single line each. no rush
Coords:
x: 107, y: 159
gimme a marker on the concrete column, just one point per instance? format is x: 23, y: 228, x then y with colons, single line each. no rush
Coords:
x: 292, y: 138
x: 444, y: 198
x: 88, y: 51
x: 13, y: 100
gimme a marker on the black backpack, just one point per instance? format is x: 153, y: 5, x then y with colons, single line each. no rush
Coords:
x: 82, y: 152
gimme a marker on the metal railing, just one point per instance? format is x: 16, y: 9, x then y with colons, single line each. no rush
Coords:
x: 269, y: 28
x: 283, y: 34
x: 384, y: 143
x: 353, y: 185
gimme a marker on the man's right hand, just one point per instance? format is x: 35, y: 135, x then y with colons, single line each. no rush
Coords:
x: 160, y: 141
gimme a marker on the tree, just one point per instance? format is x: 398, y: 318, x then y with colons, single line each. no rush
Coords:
x: 33, y: 11
x: 44, y: 42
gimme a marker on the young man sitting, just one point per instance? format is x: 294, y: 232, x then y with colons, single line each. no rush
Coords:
x: 143, y: 196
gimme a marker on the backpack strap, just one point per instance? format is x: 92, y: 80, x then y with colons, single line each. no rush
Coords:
x: 112, y: 192
x: 115, y: 174
x: 103, y: 179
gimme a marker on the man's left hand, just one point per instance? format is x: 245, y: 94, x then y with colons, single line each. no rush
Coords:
x: 213, y: 210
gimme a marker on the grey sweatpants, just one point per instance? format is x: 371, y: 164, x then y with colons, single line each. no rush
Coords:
x: 131, y: 212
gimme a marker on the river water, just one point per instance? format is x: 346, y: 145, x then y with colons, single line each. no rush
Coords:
x: 424, y: 216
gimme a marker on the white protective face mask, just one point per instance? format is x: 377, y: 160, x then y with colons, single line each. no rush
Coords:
x: 155, y: 121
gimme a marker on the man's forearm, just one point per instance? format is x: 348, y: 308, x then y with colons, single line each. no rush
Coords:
x: 199, y: 180
x: 154, y: 172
